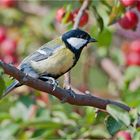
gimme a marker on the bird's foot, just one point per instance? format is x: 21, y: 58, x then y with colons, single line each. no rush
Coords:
x: 50, y: 80
x: 71, y: 93
x: 53, y: 82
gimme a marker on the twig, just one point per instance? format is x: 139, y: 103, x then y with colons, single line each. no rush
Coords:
x: 67, y: 79
x: 80, y: 13
x: 80, y: 99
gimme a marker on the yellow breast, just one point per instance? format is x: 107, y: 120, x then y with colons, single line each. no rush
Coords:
x: 56, y: 64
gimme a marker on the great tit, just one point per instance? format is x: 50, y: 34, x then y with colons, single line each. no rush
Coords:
x: 54, y: 58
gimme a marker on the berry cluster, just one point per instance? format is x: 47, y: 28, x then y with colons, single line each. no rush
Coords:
x: 8, y: 47
x: 8, y: 3
x: 132, y: 53
x: 64, y: 16
x: 130, y: 18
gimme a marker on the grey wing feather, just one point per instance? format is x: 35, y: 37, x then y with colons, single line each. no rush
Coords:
x: 48, y: 50
x: 37, y: 56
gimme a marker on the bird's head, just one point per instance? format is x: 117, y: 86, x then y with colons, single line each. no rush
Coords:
x: 77, y: 39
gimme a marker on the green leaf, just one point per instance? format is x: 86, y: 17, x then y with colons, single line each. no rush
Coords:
x: 131, y: 73
x: 4, y: 115
x: 98, y: 18
x: 97, y: 132
x: 112, y: 125
x: 7, y: 131
x: 136, y: 136
x: 1, y: 69
x: 43, y: 124
x: 2, y: 83
x: 116, y: 12
x: 90, y: 115
x: 107, y: 4
x: 43, y: 114
x: 119, y: 114
x: 105, y: 38
x: 26, y: 100
x: 19, y: 111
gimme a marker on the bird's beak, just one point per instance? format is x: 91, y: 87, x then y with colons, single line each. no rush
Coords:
x: 92, y: 40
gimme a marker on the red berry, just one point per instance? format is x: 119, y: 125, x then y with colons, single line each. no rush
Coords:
x: 129, y: 21
x: 70, y: 17
x: 8, y: 3
x: 124, y: 135
x: 138, y: 5
x: 61, y: 13
x: 84, y: 18
x: 2, y: 34
x: 135, y: 46
x: 127, y: 3
x: 133, y: 58
x: 8, y: 47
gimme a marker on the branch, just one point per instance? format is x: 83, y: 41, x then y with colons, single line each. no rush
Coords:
x: 80, y: 99
x: 67, y: 79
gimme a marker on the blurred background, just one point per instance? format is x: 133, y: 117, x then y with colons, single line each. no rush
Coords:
x: 109, y: 69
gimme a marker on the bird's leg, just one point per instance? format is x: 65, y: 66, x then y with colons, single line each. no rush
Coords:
x: 50, y: 80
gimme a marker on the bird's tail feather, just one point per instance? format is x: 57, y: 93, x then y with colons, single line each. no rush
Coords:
x: 14, y: 85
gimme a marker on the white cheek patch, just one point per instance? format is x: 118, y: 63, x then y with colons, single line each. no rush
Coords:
x: 76, y: 42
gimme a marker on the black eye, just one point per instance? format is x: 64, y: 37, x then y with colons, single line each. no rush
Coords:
x: 84, y: 36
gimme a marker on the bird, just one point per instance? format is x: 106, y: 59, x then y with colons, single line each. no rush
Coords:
x: 54, y: 58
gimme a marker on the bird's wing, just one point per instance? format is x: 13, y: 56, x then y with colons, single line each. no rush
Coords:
x: 44, y: 52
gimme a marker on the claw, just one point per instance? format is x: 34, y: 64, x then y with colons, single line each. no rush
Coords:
x: 51, y: 81
x: 55, y: 84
